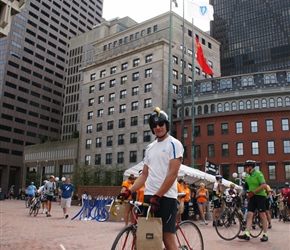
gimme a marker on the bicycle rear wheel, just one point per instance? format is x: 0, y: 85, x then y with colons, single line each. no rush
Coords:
x: 189, y: 236
x: 228, y: 225
x: 257, y: 226
x: 126, y: 239
x: 27, y: 202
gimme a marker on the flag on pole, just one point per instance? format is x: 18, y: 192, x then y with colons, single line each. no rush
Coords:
x: 201, y: 60
x: 175, y: 2
x: 199, y: 9
x: 212, y: 168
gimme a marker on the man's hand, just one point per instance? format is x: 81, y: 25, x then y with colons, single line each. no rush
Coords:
x: 124, y: 195
x: 250, y: 194
x: 155, y: 203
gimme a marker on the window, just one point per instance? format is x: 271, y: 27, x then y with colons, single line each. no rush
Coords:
x: 87, y: 160
x: 287, y: 171
x: 197, y: 71
x: 240, y: 148
x: 122, y: 108
x: 148, y: 87
x: 264, y: 103
x: 175, y: 74
x: 124, y: 66
x: 234, y: 106
x: 279, y: 102
x: 109, y: 158
x: 103, y: 73
x: 111, y: 97
x: 227, y: 107
x: 135, y: 91
x: 197, y: 151
x: 175, y: 89
x: 174, y: 60
x: 248, y: 104
x: 147, y: 136
x: 101, y: 99
x: 272, y: 171
x: 98, y: 142
x: 149, y: 58
x: 148, y: 73
x: 136, y: 62
x: 197, y: 131
x: 225, y: 149
x: 101, y: 86
x: 133, y: 156
x: 271, y: 103
x: 124, y: 79
x: 93, y: 76
x: 285, y: 124
x: 97, y: 159
x: 92, y: 89
x: 110, y: 125
x: 99, y: 127
x: 286, y: 146
x: 146, y: 119
x: 112, y: 83
x: 226, y: 84
x: 254, y: 126
x: 147, y: 103
x: 271, y: 78
x: 210, y: 150
x: 269, y: 125
x: 88, y: 143
x: 256, y: 104
x: 120, y: 157
x: 91, y: 102
x: 90, y: 115
x: 113, y: 70
x: 241, y: 105
x: 100, y: 112
x: 134, y: 121
x: 210, y: 129
x: 255, y: 148
x: 135, y: 76
x: 89, y: 128
x: 239, y: 127
x: 122, y: 123
x: 109, y: 141
x: 225, y: 128
x: 121, y: 140
x: 133, y: 138
x: 123, y: 94
x: 111, y: 110
x: 134, y: 106
x: 271, y: 147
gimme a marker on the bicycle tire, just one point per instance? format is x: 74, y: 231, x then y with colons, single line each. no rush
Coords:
x: 228, y: 225
x: 30, y: 210
x: 189, y: 237
x: 36, y: 208
x: 102, y: 215
x: 257, y: 226
x: 125, y: 239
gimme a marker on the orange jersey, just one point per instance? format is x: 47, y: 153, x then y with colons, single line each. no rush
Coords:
x: 140, y: 194
x: 126, y: 184
x: 180, y: 189
x: 187, y: 196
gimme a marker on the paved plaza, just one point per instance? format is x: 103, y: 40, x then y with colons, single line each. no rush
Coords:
x: 19, y: 230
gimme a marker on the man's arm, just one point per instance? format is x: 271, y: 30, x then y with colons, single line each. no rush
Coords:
x: 174, y: 166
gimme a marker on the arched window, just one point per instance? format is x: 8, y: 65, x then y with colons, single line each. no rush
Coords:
x: 234, y: 106
x: 189, y: 89
x: 288, y: 77
x: 205, y: 108
x: 187, y: 111
x: 267, y: 79
x: 212, y: 108
x: 245, y: 82
x: 287, y: 101
x: 199, y: 110
x: 279, y: 102
x: 272, y: 103
x: 250, y: 81
x: 256, y: 104
x: 203, y: 87
x: 249, y: 104
x: 241, y: 105
x: 208, y: 86
x: 264, y: 103
x: 220, y: 107
x: 227, y: 107
x: 273, y: 79
x: 223, y: 84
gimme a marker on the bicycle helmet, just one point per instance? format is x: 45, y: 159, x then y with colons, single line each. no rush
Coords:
x: 286, y: 184
x: 250, y: 163
x: 219, y: 177
x: 32, y: 183
x: 157, y: 116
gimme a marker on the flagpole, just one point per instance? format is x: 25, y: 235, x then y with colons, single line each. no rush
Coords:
x: 182, y: 82
x: 192, y: 97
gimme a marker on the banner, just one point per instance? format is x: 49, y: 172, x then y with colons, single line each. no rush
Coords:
x: 212, y: 168
x: 200, y: 10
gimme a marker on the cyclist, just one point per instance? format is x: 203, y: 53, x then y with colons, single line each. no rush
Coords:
x: 162, y: 161
x: 255, y: 186
x: 286, y: 199
x: 217, y: 198
x: 31, y: 190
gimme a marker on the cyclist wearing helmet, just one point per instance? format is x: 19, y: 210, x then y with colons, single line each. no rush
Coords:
x: 162, y: 161
x: 286, y: 196
x: 31, y: 190
x: 255, y: 186
x: 216, y: 198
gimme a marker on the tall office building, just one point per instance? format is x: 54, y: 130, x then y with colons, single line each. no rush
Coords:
x: 254, y: 35
x: 33, y: 61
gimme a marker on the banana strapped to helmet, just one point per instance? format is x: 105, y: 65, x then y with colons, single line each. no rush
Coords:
x: 158, y: 117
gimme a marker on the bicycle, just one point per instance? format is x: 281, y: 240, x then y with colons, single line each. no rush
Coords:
x: 35, y: 206
x: 28, y: 201
x: 230, y: 222
x: 187, y: 233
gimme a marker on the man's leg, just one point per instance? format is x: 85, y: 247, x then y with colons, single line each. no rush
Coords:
x: 169, y: 240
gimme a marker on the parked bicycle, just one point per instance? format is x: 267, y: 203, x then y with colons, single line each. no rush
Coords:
x: 230, y: 222
x: 188, y: 234
x: 35, y: 206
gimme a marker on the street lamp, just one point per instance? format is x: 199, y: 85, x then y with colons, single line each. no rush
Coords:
x: 241, y: 180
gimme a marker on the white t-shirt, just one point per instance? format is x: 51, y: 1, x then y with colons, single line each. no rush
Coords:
x: 157, y: 158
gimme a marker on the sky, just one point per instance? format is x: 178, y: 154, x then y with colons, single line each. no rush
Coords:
x: 142, y: 10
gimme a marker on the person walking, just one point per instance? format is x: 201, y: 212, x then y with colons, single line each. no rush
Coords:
x: 217, y: 198
x: 202, y: 199
x: 12, y: 192
x: 267, y: 204
x: 66, y: 193
x: 43, y: 197
x: 49, y: 189
x: 255, y: 187
x: 162, y: 161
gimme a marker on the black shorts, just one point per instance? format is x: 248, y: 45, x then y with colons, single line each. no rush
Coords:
x: 50, y: 197
x: 257, y: 202
x: 217, y: 203
x: 167, y: 212
x: 267, y: 204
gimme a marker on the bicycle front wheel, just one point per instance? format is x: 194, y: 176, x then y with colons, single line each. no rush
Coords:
x: 228, y: 225
x: 126, y: 239
x: 189, y: 236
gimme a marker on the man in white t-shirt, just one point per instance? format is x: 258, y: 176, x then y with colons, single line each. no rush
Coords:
x: 162, y: 161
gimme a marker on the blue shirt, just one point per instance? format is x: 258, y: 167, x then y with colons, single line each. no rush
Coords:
x: 31, y: 190
x: 66, y: 189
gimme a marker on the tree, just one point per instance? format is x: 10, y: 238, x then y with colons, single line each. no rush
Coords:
x: 75, y: 134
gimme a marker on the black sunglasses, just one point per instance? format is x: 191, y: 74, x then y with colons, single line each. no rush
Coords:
x: 160, y: 124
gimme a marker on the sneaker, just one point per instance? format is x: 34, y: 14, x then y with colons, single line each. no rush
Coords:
x: 244, y: 237
x: 48, y: 215
x: 213, y: 224
x: 42, y: 212
x: 205, y: 222
x: 270, y: 226
x: 264, y: 238
x: 66, y: 216
x: 202, y: 223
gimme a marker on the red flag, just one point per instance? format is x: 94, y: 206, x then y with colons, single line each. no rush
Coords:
x: 201, y: 60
